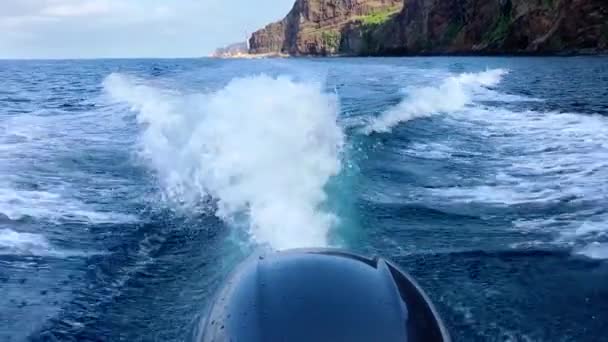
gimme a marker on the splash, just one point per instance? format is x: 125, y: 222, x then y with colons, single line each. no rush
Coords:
x: 264, y: 148
x: 16, y: 204
x: 12, y: 242
x: 453, y: 94
x: 15, y: 243
x: 595, y: 250
x: 595, y: 234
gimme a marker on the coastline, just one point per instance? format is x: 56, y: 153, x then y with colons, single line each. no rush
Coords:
x: 501, y: 28
x: 252, y: 56
x: 404, y: 55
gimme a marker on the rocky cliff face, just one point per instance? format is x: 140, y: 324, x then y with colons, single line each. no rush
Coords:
x: 402, y: 27
x: 314, y: 27
x: 495, y: 26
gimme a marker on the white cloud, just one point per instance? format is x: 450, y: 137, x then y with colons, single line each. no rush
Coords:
x: 128, y: 28
x: 77, y: 9
x: 20, y: 21
x: 68, y: 8
x: 30, y: 15
x: 25, y: 8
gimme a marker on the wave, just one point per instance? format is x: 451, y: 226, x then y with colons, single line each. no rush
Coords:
x: 453, y: 94
x: 263, y: 148
x: 533, y: 162
x: 591, y: 237
x: 595, y: 250
x: 18, y: 204
x: 14, y: 243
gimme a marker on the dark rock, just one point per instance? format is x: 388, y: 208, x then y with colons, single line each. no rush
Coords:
x: 316, y: 27
x: 412, y: 27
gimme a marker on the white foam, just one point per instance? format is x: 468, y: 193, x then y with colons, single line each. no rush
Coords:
x: 453, y: 94
x: 536, y: 157
x: 595, y: 250
x: 432, y: 150
x: 592, y: 228
x: 43, y: 205
x: 12, y: 242
x: 263, y: 147
x: 29, y: 244
x: 33, y: 148
x: 531, y: 160
x: 535, y: 160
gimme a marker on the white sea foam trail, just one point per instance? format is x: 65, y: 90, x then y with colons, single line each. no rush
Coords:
x: 453, y: 94
x: 595, y: 250
x: 16, y: 204
x: 15, y: 243
x: 264, y: 148
x: 12, y: 242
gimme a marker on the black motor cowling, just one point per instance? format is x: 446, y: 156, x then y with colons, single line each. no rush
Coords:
x: 321, y: 295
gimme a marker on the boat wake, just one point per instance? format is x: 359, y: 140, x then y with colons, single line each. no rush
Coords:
x: 263, y: 148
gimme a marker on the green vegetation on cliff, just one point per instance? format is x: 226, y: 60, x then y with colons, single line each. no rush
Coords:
x: 452, y: 31
x: 499, y: 33
x: 331, y: 40
x: 409, y: 27
x: 371, y: 44
x: 379, y: 17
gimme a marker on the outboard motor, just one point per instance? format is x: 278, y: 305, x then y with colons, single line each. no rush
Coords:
x: 321, y: 295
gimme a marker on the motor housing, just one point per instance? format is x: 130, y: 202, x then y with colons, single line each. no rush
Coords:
x: 321, y: 295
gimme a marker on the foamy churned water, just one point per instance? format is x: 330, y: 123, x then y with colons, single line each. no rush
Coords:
x: 458, y: 171
x: 264, y: 148
x: 12, y: 242
x: 454, y: 93
x: 533, y: 158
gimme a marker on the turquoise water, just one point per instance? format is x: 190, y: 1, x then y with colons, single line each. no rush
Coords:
x: 130, y: 188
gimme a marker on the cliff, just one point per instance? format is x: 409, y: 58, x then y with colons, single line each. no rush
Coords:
x: 232, y: 50
x: 409, y: 27
x: 314, y: 27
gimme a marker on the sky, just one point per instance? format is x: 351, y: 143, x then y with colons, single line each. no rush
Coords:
x: 129, y: 28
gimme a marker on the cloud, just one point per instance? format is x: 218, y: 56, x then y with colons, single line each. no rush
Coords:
x: 20, y: 21
x: 56, y: 8
x: 29, y: 15
x: 77, y: 9
x: 128, y: 28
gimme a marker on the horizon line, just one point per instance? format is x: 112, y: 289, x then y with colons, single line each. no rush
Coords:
x: 93, y: 58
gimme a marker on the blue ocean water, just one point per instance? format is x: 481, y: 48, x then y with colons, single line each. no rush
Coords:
x: 129, y: 189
